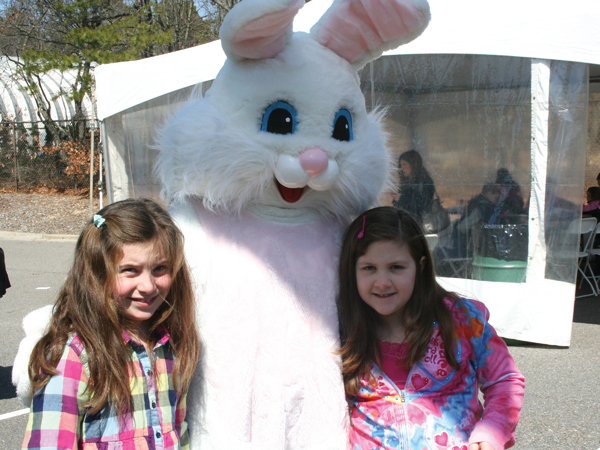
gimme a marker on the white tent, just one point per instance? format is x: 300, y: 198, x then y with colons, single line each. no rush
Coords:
x: 528, y: 29
x: 487, y: 86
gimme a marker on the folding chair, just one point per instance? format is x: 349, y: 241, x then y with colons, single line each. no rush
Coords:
x: 448, y: 264
x: 593, y: 251
x: 588, y: 233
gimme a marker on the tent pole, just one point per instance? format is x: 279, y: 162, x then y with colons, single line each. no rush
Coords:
x: 14, y: 133
x: 100, y: 193
x: 92, y: 173
x: 105, y: 144
x: 540, y: 117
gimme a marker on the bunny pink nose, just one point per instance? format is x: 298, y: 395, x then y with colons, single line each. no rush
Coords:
x: 313, y: 161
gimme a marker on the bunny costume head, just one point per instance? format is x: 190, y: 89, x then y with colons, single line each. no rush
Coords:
x: 284, y: 124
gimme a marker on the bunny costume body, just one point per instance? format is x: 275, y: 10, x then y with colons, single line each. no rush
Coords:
x: 270, y: 377
x: 263, y: 174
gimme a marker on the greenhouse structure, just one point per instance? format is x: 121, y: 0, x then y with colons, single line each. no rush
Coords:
x: 17, y: 103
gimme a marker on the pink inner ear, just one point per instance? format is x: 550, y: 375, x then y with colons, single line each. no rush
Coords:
x: 361, y: 26
x: 266, y: 36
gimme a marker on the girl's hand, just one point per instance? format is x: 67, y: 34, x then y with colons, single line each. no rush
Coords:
x: 481, y: 446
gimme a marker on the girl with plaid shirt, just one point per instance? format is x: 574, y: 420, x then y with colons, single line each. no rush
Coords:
x: 113, y: 368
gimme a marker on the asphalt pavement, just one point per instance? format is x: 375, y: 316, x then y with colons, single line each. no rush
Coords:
x: 562, y: 394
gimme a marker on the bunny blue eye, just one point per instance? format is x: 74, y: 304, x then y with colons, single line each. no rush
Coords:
x: 280, y: 118
x: 342, y: 126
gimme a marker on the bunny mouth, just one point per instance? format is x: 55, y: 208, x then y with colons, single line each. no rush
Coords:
x: 290, y: 195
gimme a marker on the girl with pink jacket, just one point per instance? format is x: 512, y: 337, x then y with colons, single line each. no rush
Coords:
x: 414, y: 356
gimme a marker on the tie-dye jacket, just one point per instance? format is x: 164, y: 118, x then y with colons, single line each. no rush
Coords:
x: 439, y: 408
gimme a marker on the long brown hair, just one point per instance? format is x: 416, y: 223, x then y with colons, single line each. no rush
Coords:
x: 359, y: 322
x: 417, y: 168
x: 86, y: 304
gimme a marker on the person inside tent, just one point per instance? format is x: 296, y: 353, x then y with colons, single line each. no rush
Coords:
x: 417, y: 189
x: 510, y: 205
x: 592, y: 209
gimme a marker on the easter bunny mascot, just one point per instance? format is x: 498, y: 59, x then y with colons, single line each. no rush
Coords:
x: 262, y: 175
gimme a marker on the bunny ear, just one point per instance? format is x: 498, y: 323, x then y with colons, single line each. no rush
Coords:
x: 258, y: 29
x: 361, y: 30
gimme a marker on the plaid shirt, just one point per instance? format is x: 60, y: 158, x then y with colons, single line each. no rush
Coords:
x: 58, y: 419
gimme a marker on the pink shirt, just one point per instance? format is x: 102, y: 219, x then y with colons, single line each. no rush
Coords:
x: 392, y: 362
x: 595, y: 204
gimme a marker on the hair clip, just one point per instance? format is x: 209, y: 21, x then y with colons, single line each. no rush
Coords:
x: 362, y: 232
x: 98, y: 220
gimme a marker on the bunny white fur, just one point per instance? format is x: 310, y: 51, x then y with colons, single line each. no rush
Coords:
x: 267, y: 312
x: 265, y: 267
x: 34, y: 325
x: 264, y: 264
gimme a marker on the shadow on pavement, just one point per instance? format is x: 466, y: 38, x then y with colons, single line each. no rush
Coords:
x: 7, y: 390
x: 587, y: 310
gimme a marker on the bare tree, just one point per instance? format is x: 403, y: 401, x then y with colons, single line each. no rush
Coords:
x: 74, y: 35
x: 183, y: 19
x: 223, y: 7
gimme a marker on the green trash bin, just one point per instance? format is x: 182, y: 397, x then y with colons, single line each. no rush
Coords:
x: 493, y: 269
x: 500, y: 253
